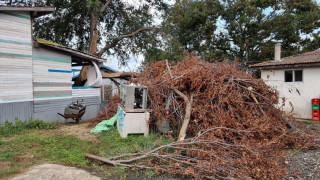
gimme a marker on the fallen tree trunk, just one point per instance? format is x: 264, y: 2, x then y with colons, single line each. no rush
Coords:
x: 184, y: 127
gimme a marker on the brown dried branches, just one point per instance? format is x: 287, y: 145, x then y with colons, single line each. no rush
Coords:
x: 222, y: 97
x: 234, y: 129
x: 203, y: 157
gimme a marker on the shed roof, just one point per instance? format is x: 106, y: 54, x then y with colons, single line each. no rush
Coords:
x: 73, y: 52
x: 36, y: 11
x: 301, y: 60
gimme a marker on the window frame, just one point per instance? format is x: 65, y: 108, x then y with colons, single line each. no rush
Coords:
x: 293, y: 75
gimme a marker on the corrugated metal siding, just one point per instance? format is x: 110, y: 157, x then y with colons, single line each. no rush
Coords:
x: 15, y: 57
x: 85, y: 92
x: 51, y: 75
x: 49, y: 105
x: 52, y: 116
x: 24, y: 111
x: 87, y: 100
x: 91, y: 112
x: 21, y: 110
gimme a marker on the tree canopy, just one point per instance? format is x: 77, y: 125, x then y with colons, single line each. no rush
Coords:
x: 246, y: 30
x: 100, y: 27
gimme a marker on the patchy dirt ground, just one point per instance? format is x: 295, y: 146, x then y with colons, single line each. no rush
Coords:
x: 81, y: 131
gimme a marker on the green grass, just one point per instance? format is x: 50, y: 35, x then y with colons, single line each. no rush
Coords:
x: 116, y: 145
x: 149, y: 173
x: 20, y: 138
x: 310, y: 122
x: 10, y: 128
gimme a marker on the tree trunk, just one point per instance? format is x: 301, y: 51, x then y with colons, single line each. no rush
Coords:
x: 93, y: 34
x: 187, y: 115
x: 92, y: 46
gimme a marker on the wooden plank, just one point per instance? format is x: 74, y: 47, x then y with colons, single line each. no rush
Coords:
x: 6, y: 17
x: 25, y: 10
x: 15, y: 57
x: 15, y: 30
x: 39, y: 64
x: 8, y: 51
x: 7, y: 33
x: 53, y: 88
x: 49, y: 93
x: 16, y: 48
x: 21, y: 15
x: 51, y: 53
x: 85, y: 92
x: 52, y: 84
x: 12, y: 25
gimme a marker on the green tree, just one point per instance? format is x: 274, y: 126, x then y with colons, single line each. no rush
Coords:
x: 100, y: 27
x: 188, y: 26
x: 239, y: 29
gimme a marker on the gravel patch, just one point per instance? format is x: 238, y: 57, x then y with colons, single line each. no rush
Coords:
x: 303, y: 165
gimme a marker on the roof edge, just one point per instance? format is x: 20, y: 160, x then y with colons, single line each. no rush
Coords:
x: 73, y: 52
x: 285, y: 66
x: 24, y: 8
x: 35, y: 11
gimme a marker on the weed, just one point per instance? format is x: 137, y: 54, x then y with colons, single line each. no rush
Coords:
x: 149, y: 173
x: 3, y: 143
x: 8, y: 154
x: 11, y: 128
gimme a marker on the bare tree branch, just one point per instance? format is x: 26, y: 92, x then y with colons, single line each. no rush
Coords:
x: 118, y: 39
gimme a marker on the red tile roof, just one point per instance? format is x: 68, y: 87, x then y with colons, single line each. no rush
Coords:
x: 304, y: 58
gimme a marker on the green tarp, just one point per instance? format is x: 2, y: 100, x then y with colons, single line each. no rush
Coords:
x: 104, y: 125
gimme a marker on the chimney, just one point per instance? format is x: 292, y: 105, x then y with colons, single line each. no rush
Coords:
x: 277, y: 52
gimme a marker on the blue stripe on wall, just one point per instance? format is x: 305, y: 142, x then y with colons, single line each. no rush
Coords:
x: 14, y: 42
x: 15, y: 55
x: 54, y: 59
x: 59, y: 71
x: 15, y: 15
x: 53, y: 96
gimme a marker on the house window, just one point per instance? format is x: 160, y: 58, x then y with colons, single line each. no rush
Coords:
x: 297, y: 75
x: 293, y: 76
x: 288, y: 76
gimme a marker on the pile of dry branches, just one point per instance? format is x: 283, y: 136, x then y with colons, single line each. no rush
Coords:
x: 107, y: 112
x: 227, y: 123
x: 234, y: 125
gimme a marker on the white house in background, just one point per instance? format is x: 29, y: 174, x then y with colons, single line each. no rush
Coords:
x: 296, y: 78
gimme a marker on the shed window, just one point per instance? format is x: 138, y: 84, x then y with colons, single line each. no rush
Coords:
x: 293, y: 76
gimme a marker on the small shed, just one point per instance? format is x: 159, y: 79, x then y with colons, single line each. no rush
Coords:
x: 36, y: 75
x: 296, y: 78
